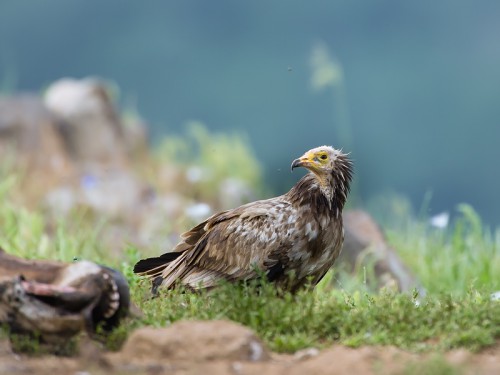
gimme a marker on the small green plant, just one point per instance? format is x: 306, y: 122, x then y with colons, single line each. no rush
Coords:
x: 213, y: 158
x: 32, y: 345
x: 467, y: 254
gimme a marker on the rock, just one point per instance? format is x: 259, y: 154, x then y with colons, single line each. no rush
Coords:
x: 90, y: 125
x: 136, y: 137
x: 305, y: 354
x: 76, y: 148
x: 363, y: 237
x: 26, y: 125
x: 29, y: 139
x: 195, y: 341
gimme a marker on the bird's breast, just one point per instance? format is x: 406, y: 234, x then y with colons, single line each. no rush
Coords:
x: 318, y: 243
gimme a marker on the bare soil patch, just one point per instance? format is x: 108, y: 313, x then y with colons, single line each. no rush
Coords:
x: 221, y: 347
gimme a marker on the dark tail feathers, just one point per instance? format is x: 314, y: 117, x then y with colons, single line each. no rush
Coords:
x: 148, y: 264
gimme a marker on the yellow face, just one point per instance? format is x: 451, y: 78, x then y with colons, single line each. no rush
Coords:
x: 316, y: 160
x: 321, y: 157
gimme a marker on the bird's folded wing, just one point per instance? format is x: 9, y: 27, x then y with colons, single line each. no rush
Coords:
x: 234, y: 245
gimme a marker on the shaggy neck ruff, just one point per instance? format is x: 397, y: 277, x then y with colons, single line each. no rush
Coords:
x: 325, y: 192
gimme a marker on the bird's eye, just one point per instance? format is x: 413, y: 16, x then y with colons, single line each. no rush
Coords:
x: 323, y: 157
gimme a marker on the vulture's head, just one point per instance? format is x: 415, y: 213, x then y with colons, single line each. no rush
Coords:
x: 319, y: 160
x: 332, y: 169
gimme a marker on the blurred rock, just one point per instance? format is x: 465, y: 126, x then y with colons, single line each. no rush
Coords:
x: 89, y: 123
x: 73, y: 136
x: 365, y: 243
x: 28, y: 127
x: 194, y: 341
x: 104, y: 148
x: 305, y: 354
x: 30, y: 142
x: 136, y: 137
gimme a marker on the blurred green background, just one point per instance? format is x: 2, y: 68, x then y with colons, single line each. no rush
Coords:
x: 411, y: 88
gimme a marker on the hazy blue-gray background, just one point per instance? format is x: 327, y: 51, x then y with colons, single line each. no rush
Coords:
x: 420, y: 90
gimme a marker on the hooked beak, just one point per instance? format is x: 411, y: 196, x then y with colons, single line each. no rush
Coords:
x: 301, y: 162
x: 296, y: 163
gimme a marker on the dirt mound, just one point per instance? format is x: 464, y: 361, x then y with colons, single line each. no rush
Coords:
x: 193, y: 341
x: 222, y: 347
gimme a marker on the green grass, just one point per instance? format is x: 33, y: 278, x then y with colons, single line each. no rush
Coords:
x: 453, y: 260
x: 291, y: 322
x: 459, y: 268
x: 218, y: 157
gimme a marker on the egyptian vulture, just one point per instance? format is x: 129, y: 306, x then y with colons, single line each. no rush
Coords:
x: 292, y: 239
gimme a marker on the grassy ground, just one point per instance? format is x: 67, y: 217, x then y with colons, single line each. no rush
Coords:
x: 317, y: 319
x: 459, y: 268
